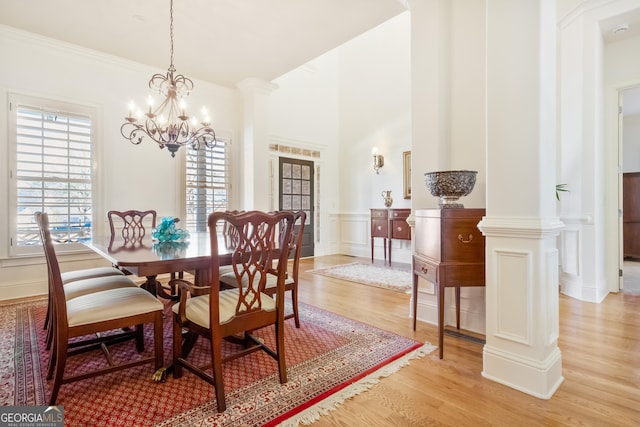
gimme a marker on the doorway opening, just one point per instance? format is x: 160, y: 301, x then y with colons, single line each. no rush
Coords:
x: 629, y: 141
x: 296, y: 192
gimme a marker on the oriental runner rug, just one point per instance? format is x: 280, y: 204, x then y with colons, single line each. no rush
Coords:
x: 368, y: 274
x: 329, y: 359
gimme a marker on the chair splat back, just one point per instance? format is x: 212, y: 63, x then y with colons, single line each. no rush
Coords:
x: 257, y: 238
x: 131, y: 223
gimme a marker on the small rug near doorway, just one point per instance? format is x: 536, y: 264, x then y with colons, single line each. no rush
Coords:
x: 329, y: 359
x: 369, y: 274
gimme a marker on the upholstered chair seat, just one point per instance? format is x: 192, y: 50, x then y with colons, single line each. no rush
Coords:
x: 89, y: 273
x: 109, y: 305
x: 97, y: 284
x: 197, y: 309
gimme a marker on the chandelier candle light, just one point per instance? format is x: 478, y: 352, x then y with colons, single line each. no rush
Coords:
x: 169, y: 125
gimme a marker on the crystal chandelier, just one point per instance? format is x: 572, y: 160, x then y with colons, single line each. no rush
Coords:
x: 168, y: 124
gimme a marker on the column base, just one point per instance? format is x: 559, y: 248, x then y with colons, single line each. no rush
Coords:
x: 537, y: 378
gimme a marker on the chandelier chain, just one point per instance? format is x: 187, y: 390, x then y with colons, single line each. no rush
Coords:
x: 171, y: 67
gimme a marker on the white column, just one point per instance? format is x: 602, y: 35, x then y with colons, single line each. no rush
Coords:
x: 255, y: 143
x: 521, y: 226
x: 431, y: 93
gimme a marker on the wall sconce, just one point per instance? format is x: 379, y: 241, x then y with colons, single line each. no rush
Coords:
x: 378, y: 160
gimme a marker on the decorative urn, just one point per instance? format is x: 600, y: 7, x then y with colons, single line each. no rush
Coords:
x: 449, y: 186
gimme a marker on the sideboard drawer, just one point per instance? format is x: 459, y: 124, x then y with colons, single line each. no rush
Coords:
x: 400, y: 229
x: 379, y: 213
x: 425, y: 269
x: 379, y: 228
x: 462, y: 241
x: 399, y: 213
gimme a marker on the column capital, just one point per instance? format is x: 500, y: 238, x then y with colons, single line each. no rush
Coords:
x: 520, y: 227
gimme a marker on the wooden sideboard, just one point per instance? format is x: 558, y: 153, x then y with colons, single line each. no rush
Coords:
x: 389, y: 224
x: 449, y: 252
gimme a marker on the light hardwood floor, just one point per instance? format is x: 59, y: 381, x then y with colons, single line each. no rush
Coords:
x: 600, y: 345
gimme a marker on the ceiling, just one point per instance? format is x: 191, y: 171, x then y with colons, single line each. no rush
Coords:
x: 220, y: 41
x: 226, y: 41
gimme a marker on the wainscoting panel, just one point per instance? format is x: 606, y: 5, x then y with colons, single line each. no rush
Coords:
x: 514, y: 293
x: 570, y: 241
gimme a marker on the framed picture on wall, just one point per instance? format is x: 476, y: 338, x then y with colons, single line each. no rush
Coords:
x: 406, y: 163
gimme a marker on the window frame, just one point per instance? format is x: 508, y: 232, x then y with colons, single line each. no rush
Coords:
x: 227, y: 143
x: 67, y: 108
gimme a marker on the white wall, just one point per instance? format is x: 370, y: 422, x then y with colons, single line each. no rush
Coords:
x: 128, y: 177
x: 375, y: 101
x: 304, y: 113
x: 343, y: 103
x: 375, y: 111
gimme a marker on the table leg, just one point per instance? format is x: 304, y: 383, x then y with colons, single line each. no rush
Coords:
x: 155, y: 288
x: 151, y: 285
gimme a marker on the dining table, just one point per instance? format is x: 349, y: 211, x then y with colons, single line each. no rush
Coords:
x: 145, y: 257
x: 148, y: 258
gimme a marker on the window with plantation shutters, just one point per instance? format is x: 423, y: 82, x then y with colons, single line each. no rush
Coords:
x: 52, y: 171
x: 207, y: 184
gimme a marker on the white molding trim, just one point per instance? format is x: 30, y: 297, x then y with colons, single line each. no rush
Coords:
x: 531, y: 228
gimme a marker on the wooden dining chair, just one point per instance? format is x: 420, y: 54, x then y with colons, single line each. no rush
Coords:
x: 233, y: 314
x: 133, y: 226
x: 93, y: 313
x: 80, y: 282
x: 291, y: 281
x: 294, y: 244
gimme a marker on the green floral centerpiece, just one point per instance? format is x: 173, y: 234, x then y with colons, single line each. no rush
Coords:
x: 168, y: 232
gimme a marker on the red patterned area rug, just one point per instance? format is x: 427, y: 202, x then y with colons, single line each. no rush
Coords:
x: 329, y: 359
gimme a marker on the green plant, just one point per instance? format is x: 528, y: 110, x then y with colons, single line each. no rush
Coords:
x: 560, y: 188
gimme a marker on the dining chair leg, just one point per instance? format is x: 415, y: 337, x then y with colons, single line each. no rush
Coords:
x: 49, y: 336
x: 216, y: 355
x: 52, y: 362
x: 282, y: 366
x: 294, y: 303
x: 61, y: 361
x: 139, y: 338
x: 177, y: 347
